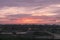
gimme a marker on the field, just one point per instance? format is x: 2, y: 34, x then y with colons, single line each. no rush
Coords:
x: 17, y: 32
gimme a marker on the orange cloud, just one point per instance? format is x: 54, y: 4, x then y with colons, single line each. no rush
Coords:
x: 33, y: 21
x: 28, y: 21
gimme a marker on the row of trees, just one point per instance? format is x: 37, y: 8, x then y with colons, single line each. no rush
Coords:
x: 26, y: 27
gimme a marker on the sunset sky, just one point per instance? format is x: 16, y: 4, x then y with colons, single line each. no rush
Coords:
x: 29, y: 11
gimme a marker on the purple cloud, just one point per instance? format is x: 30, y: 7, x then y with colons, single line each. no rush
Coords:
x: 43, y: 6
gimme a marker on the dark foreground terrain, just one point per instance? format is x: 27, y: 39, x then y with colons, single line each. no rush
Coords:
x: 29, y: 32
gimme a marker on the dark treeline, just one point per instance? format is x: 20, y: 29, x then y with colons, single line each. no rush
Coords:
x: 25, y: 27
